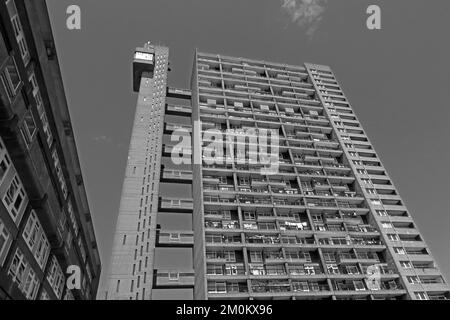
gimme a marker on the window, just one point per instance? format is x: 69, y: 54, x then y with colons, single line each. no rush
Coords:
x: 413, y: 279
x: 332, y: 268
x: 421, y: 295
x: 55, y: 277
x: 4, y: 242
x: 230, y: 256
x: 14, y: 199
x: 11, y: 80
x: 214, y: 270
x: 174, y: 276
x: 18, y: 266
x: 399, y: 250
x: 382, y: 213
x: 5, y: 162
x: 352, y: 270
x: 359, y: 285
x: 387, y: 225
x: 31, y: 285
x: 220, y: 287
x: 244, y: 181
x: 329, y: 257
x: 226, y: 214
x: 24, y: 275
x: 18, y: 32
x: 256, y: 256
x: 307, y: 256
x: 301, y: 286
x: 174, y: 236
x: 406, y: 264
x: 43, y: 250
x: 393, y: 237
x: 28, y: 128
x: 248, y: 215
x: 36, y: 239
x: 309, y: 269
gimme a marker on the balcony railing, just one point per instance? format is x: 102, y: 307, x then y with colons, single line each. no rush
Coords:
x: 177, y: 174
x: 169, y: 203
x: 222, y: 225
x: 174, y: 278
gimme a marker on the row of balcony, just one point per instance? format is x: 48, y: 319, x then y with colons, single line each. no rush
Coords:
x: 306, y: 202
x: 280, y: 240
x: 281, y: 287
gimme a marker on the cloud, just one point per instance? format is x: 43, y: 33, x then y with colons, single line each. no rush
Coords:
x: 306, y: 13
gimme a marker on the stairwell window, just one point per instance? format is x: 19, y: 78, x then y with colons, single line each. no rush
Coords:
x: 174, y: 276
x: 175, y: 237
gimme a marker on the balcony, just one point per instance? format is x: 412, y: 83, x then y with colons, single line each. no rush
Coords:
x: 227, y: 290
x: 178, y: 110
x: 310, y: 290
x: 173, y: 279
x: 176, y: 176
x: 305, y: 270
x: 287, y: 203
x: 220, y: 187
x: 182, y: 129
x: 254, y: 201
x: 363, y: 228
x: 218, y: 200
x: 347, y: 258
x: 294, y: 226
x: 178, y: 93
x: 221, y: 240
x: 222, y: 225
x: 259, y: 239
x: 166, y: 238
x: 260, y: 271
x: 272, y: 287
x: 175, y: 205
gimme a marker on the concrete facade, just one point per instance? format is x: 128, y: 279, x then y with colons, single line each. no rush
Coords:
x: 328, y: 224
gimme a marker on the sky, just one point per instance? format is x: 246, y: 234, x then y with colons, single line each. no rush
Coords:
x: 396, y: 79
